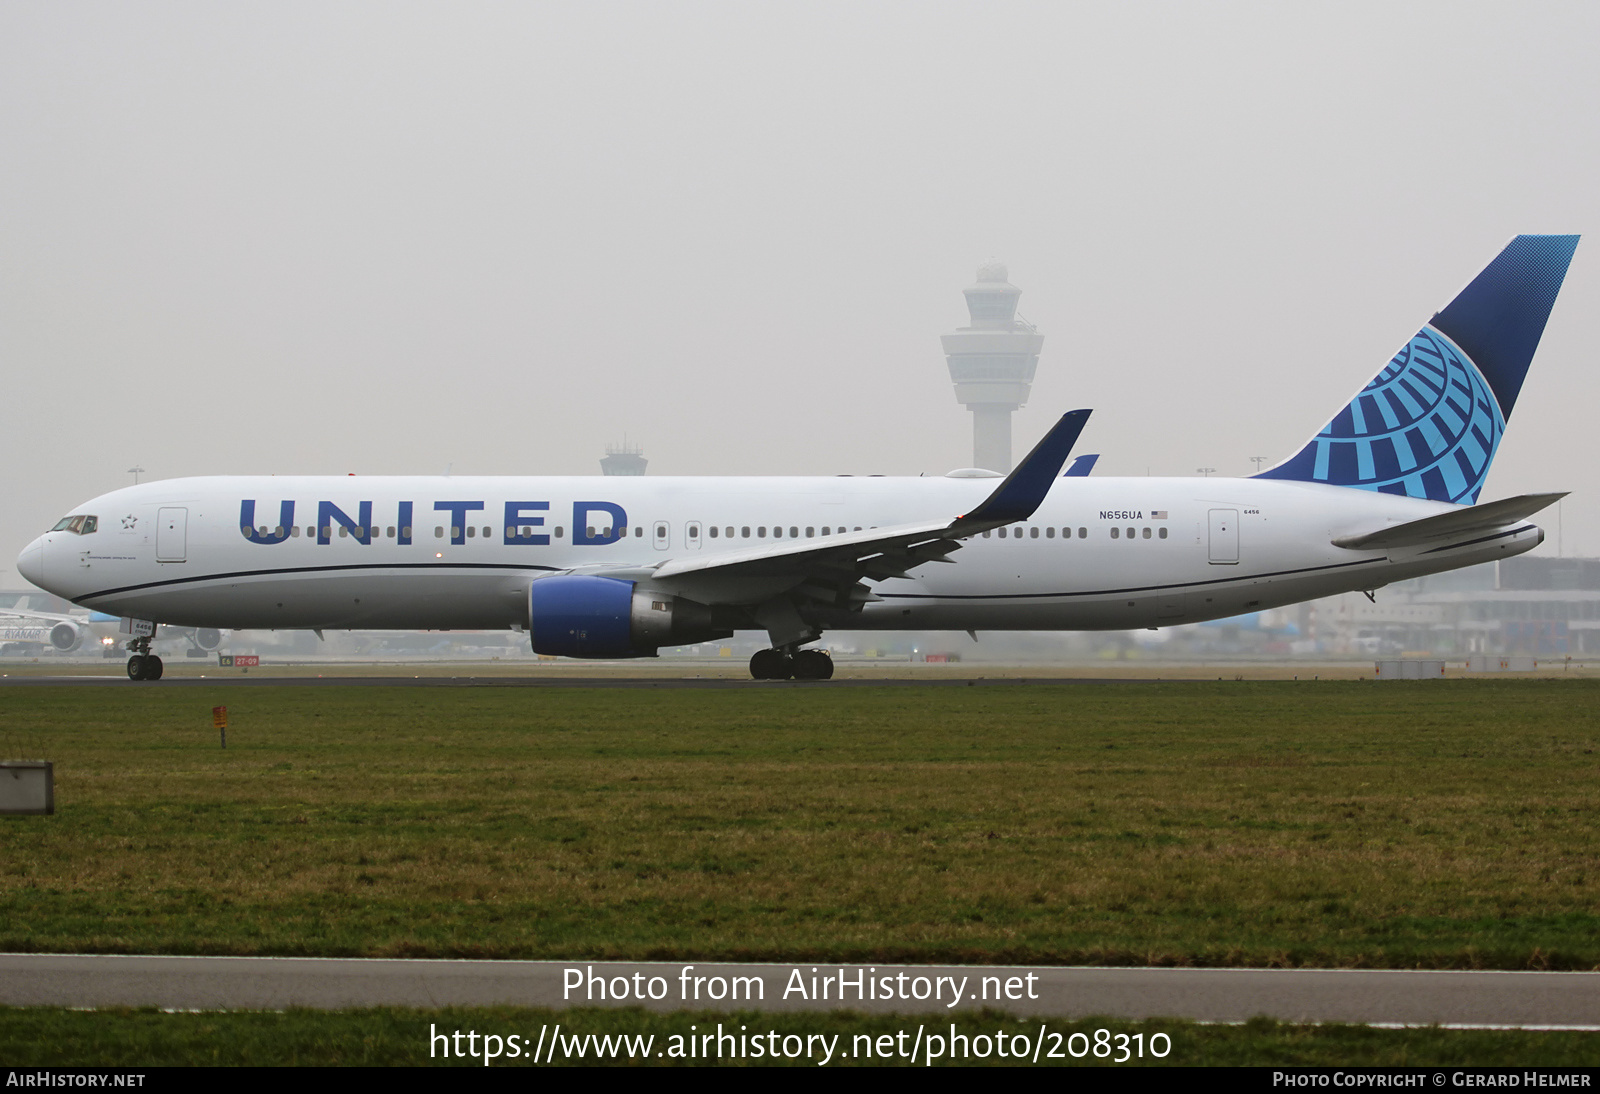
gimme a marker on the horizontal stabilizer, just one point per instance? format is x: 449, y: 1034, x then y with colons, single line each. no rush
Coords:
x: 1460, y: 522
x: 1081, y: 466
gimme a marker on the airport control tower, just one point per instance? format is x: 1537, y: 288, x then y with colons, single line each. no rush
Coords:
x: 623, y: 459
x: 992, y: 363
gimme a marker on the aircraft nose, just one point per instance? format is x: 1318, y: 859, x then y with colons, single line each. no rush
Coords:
x: 30, y: 564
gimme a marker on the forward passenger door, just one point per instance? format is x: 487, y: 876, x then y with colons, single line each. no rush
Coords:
x: 172, y: 535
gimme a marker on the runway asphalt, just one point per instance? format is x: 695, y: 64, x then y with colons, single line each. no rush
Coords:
x: 1532, y: 1000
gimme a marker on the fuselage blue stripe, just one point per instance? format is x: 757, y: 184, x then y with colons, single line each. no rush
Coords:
x: 230, y: 575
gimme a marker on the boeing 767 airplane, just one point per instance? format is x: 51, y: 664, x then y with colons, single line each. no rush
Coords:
x: 619, y: 567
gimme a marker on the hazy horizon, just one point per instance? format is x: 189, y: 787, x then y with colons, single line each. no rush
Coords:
x: 399, y: 238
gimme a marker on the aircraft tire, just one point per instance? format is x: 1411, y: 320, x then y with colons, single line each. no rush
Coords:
x: 136, y: 667
x: 813, y: 665
x: 770, y: 665
x: 152, y: 667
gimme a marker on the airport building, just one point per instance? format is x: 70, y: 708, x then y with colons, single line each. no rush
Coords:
x: 1547, y: 607
x: 1539, y: 606
x: 992, y: 363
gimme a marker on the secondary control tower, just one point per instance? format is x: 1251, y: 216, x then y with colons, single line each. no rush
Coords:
x: 623, y: 459
x: 992, y: 363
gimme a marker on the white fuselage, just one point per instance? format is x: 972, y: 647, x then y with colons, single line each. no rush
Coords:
x: 1092, y: 557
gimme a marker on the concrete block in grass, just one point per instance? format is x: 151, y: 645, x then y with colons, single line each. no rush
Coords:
x: 27, y: 787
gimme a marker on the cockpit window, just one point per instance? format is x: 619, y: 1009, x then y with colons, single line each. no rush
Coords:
x: 78, y: 525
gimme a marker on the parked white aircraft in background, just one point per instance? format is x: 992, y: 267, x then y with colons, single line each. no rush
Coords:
x: 28, y: 635
x: 68, y: 633
x: 619, y: 567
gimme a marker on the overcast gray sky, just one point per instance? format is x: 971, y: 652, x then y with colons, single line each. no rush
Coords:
x: 396, y: 238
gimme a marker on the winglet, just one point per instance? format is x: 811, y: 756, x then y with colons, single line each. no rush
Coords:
x: 1024, y: 489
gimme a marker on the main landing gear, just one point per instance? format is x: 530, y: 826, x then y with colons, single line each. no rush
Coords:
x: 791, y: 664
x: 143, y: 665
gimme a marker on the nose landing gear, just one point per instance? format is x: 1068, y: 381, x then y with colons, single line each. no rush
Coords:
x: 791, y: 664
x: 143, y: 665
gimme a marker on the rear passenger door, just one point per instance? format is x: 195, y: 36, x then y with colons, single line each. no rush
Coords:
x: 1224, y: 537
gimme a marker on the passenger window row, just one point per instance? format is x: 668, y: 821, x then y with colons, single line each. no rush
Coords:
x: 1034, y: 533
x: 760, y: 531
x: 84, y: 525
x: 1066, y: 533
x: 527, y: 531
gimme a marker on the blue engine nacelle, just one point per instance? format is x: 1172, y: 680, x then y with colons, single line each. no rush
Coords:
x: 578, y: 615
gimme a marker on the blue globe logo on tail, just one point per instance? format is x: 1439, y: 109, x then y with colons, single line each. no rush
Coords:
x: 1429, y: 424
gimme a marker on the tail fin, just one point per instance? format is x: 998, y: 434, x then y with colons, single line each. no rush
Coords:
x: 1428, y: 425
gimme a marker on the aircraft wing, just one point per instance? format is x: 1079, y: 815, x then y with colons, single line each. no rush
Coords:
x: 828, y: 568
x: 13, y: 613
x: 1488, y: 517
x: 829, y: 571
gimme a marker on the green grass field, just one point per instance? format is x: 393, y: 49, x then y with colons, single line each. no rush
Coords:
x: 1430, y: 824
